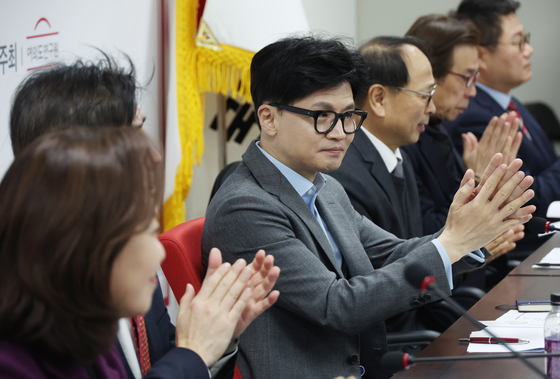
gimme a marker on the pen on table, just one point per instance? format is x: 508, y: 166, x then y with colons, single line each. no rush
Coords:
x: 490, y: 340
x: 547, y: 264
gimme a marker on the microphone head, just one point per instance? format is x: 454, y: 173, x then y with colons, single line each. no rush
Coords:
x: 418, y: 276
x: 537, y: 225
x: 394, y: 361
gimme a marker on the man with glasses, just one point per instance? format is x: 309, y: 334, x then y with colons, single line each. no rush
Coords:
x: 504, y: 62
x: 437, y: 164
x: 377, y: 177
x: 341, y: 274
x: 375, y: 173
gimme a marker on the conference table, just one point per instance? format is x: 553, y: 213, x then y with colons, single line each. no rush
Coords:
x: 524, y: 282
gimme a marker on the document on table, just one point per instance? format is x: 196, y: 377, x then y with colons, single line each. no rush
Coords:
x: 552, y: 257
x: 535, y: 335
x: 513, y: 324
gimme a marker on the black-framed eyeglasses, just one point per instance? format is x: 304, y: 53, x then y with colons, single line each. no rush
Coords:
x: 521, y: 43
x: 325, y: 121
x: 469, y: 80
x: 427, y: 95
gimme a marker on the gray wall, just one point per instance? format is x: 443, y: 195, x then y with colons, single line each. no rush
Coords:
x: 540, y: 17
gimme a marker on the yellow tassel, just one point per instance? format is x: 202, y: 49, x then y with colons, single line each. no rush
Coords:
x: 199, y: 70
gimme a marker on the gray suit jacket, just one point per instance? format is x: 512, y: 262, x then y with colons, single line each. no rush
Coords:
x: 323, y: 324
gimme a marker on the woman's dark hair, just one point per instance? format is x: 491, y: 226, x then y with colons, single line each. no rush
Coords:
x: 293, y: 68
x: 83, y: 93
x: 442, y: 34
x: 69, y: 203
x: 485, y: 14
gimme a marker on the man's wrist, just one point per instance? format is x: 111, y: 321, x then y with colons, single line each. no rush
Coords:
x: 454, y: 252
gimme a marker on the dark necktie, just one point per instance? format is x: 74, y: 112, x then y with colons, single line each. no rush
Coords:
x: 398, y: 170
x: 400, y: 187
x: 513, y: 107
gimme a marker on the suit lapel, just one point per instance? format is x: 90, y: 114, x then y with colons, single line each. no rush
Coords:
x: 540, y: 140
x: 484, y: 100
x: 377, y: 166
x: 430, y: 150
x: 272, y: 181
x: 335, y: 218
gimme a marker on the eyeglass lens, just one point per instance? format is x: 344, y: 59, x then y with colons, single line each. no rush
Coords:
x: 328, y: 119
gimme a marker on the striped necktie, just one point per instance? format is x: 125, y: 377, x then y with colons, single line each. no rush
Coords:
x: 513, y: 107
x: 141, y: 343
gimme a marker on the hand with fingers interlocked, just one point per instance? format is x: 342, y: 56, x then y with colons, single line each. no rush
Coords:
x: 479, y: 215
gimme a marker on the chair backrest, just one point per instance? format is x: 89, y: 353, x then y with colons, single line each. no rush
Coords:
x: 182, y: 263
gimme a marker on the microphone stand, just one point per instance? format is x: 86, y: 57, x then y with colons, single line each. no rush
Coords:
x: 397, y: 360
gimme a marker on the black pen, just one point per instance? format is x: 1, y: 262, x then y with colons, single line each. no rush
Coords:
x: 547, y: 264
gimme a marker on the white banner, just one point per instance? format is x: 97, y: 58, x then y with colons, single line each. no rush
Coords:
x: 37, y: 33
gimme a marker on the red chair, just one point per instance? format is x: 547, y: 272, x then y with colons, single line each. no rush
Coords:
x: 182, y: 263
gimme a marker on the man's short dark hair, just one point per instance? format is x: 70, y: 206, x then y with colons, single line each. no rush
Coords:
x: 442, y: 34
x: 293, y: 68
x: 83, y: 93
x: 384, y: 58
x: 485, y: 14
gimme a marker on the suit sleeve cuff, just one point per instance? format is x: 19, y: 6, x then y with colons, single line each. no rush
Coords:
x: 446, y: 262
x: 477, y: 256
x: 179, y: 363
x: 216, y: 367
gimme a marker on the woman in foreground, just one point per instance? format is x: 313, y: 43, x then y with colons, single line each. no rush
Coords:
x: 79, y: 250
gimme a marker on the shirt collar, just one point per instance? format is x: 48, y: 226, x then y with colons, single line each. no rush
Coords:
x: 501, y: 98
x: 389, y: 158
x: 300, y: 184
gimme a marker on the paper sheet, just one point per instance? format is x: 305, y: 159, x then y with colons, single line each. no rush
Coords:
x: 513, y: 324
x: 552, y: 257
x: 535, y: 335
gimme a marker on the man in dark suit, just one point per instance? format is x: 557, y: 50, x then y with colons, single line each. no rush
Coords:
x: 437, y: 164
x: 375, y: 173
x: 504, y: 63
x: 103, y: 94
x: 341, y: 274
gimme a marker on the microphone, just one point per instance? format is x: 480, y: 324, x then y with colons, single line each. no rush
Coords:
x: 540, y: 226
x: 420, y: 277
x: 398, y: 361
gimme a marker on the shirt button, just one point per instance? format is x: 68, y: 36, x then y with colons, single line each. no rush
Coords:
x: 353, y: 359
x: 310, y: 192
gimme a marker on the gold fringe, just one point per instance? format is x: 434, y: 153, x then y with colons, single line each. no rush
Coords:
x: 199, y: 70
x: 227, y: 72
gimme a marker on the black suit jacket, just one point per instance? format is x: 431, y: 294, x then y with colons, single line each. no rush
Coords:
x: 371, y: 190
x: 436, y: 184
x: 167, y: 360
x: 539, y: 159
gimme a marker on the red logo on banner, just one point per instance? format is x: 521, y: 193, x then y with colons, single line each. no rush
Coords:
x: 41, y: 53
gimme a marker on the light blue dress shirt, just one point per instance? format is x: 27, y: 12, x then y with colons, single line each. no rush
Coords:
x: 308, y: 192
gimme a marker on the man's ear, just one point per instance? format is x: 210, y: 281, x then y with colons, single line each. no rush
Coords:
x: 483, y: 56
x: 267, y: 115
x: 377, y: 99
